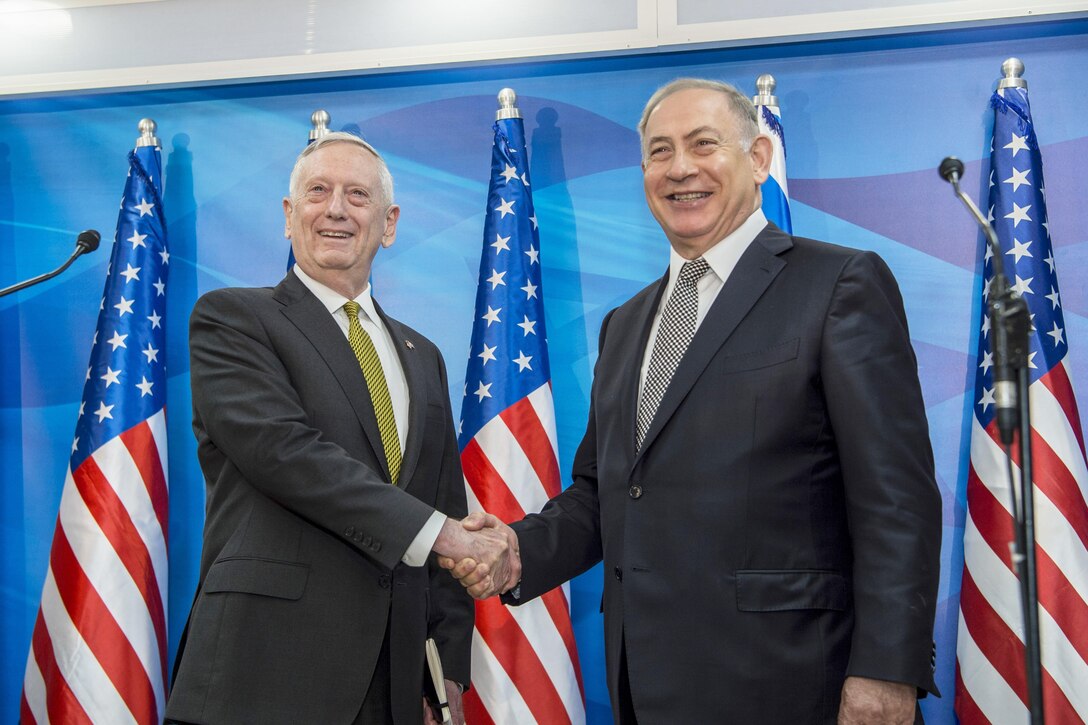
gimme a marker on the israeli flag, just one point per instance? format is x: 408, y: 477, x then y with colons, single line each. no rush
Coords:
x: 776, y: 197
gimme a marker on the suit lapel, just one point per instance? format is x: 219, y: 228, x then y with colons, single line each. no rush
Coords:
x: 318, y: 326
x: 407, y: 351
x: 755, y: 271
x: 631, y: 354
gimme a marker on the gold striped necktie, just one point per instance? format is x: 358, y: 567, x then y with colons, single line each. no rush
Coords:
x: 364, y: 350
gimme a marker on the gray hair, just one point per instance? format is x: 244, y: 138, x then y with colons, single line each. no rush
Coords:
x: 743, y: 110
x: 385, y: 179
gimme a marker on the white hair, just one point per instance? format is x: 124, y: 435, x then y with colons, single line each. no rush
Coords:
x: 385, y: 179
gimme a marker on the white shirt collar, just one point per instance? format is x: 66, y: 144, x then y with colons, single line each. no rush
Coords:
x: 723, y: 256
x: 333, y: 300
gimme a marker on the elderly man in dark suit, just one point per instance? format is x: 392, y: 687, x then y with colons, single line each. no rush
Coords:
x: 756, y: 473
x: 327, y: 443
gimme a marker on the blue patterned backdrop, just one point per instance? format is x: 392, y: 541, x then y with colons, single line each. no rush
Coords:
x: 866, y: 120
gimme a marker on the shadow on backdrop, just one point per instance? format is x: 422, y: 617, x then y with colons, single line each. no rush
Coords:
x: 186, y: 481
x: 12, y: 569
x: 354, y: 129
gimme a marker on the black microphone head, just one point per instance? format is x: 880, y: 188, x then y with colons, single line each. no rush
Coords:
x: 88, y: 240
x: 951, y: 169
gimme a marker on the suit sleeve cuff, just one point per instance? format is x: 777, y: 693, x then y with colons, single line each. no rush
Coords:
x: 420, y: 548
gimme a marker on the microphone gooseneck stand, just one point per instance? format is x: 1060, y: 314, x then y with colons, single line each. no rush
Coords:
x: 86, y: 242
x: 1010, y: 327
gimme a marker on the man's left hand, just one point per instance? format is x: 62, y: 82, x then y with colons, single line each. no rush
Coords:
x: 453, y: 699
x: 876, y: 702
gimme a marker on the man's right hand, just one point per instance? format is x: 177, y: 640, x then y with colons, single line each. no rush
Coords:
x: 480, y: 576
x: 481, y: 552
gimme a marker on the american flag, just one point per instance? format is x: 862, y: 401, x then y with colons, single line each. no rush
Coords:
x: 524, y: 659
x: 98, y: 652
x: 776, y: 195
x: 990, y: 681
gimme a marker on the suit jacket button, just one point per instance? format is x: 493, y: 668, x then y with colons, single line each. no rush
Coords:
x: 383, y: 581
x: 618, y: 572
x: 635, y: 491
x: 349, y: 531
x: 358, y: 536
x: 366, y: 541
x: 377, y: 546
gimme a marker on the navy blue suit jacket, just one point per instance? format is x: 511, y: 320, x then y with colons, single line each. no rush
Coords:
x: 780, y: 527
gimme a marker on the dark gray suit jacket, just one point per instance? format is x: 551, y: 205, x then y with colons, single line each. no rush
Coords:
x: 300, y: 574
x: 780, y: 528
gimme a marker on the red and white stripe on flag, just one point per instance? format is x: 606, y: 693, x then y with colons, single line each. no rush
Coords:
x: 98, y: 652
x: 524, y: 660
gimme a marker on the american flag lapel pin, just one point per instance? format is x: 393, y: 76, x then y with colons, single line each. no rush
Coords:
x: 409, y: 344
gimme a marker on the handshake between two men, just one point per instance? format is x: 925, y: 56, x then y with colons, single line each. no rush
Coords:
x: 481, y: 552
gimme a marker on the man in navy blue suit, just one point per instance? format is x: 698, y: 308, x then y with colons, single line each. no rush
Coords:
x: 756, y: 472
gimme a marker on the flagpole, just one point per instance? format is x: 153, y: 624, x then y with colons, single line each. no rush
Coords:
x: 99, y: 647
x: 319, y: 120
x: 999, y: 672
x: 1011, y: 312
x: 775, y: 190
x: 319, y: 126
x: 525, y: 666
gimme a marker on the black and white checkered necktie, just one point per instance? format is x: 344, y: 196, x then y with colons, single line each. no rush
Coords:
x: 673, y: 337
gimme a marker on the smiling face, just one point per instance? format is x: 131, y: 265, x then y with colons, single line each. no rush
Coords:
x: 701, y: 183
x: 338, y: 217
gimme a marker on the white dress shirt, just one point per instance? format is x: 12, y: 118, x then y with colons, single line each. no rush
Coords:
x: 722, y: 258
x: 420, y: 548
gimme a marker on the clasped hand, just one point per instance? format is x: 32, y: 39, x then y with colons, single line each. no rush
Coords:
x: 489, y: 562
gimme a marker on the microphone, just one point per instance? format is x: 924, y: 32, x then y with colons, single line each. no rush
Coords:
x: 951, y: 169
x: 87, y: 241
x: 1004, y: 307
